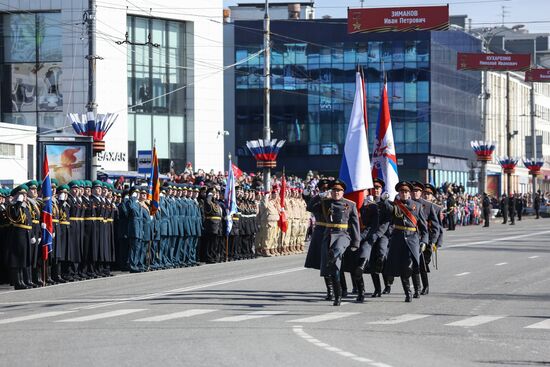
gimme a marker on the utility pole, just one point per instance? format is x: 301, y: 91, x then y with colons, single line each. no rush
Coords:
x: 533, y: 132
x: 267, y: 87
x: 89, y: 17
x: 509, y: 134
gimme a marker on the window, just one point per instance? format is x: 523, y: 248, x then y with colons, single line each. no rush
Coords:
x: 32, y: 70
x: 11, y: 150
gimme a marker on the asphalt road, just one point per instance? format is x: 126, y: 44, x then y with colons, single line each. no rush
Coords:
x: 489, y: 304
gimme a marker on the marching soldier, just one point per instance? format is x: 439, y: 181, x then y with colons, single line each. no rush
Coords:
x: 520, y: 204
x: 409, y: 234
x: 33, y: 272
x: 313, y: 257
x: 341, y: 231
x: 432, y: 222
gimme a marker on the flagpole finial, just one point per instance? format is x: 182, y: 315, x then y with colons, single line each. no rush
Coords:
x: 229, y: 155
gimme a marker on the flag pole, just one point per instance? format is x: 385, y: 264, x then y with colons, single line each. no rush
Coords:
x: 227, y: 232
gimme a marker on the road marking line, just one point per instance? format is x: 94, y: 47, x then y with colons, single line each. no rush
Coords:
x: 298, y: 330
x: 496, y: 240
x: 461, y: 274
x: 34, y: 316
x: 500, y: 264
x: 540, y: 325
x: 104, y: 315
x: 114, y: 302
x: 325, y: 317
x: 399, y: 319
x: 475, y: 321
x: 533, y: 257
x: 176, y: 315
x: 250, y: 316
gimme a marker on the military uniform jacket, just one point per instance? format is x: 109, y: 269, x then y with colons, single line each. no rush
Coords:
x: 135, y: 226
x: 432, y: 220
x: 404, y: 249
x: 212, y: 214
x: 341, y: 218
x: 20, y: 234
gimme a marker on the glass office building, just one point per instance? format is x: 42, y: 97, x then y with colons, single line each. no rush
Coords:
x: 434, y: 107
x: 153, y: 72
x: 32, y: 84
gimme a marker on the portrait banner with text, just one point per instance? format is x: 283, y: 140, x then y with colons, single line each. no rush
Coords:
x: 538, y: 75
x: 402, y: 19
x: 494, y: 62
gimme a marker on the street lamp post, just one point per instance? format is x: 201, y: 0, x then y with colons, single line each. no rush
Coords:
x: 267, y: 87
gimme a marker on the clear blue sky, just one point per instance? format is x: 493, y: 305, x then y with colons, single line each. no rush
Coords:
x: 535, y: 14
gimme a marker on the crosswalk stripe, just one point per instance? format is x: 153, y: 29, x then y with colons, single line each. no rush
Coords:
x: 325, y: 317
x: 475, y: 321
x: 540, y: 325
x: 176, y: 315
x: 399, y: 319
x: 461, y: 274
x: 533, y: 257
x: 104, y: 315
x: 250, y: 316
x: 34, y: 316
x: 500, y: 264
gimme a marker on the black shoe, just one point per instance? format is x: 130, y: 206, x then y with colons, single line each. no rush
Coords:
x: 360, y: 298
x: 387, y: 290
x: 416, y: 294
x: 330, y: 289
x: 354, y: 290
x: 344, y: 293
x: 408, y: 297
x: 376, y: 294
x: 425, y: 291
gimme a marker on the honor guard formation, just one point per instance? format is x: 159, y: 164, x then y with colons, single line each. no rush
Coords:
x: 98, y: 228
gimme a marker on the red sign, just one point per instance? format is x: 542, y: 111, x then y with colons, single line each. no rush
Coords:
x: 398, y: 19
x: 537, y: 75
x: 498, y: 62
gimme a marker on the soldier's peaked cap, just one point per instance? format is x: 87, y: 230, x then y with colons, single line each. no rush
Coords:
x: 431, y: 188
x: 379, y: 181
x: 338, y: 184
x: 322, y: 182
x: 403, y: 184
x: 417, y: 185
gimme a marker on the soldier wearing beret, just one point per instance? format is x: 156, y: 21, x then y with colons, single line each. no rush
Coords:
x: 409, y: 234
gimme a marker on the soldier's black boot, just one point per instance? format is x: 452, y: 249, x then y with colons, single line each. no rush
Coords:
x: 17, y: 280
x: 27, y: 277
x: 406, y: 288
x: 360, y: 284
x: 343, y: 285
x: 377, y: 286
x: 330, y: 289
x: 425, y: 284
x: 337, y: 291
x: 56, y: 273
x: 355, y: 288
x: 388, y: 281
x: 36, y: 277
x: 416, y: 285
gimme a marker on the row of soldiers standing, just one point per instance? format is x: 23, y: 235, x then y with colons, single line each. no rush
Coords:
x: 97, y: 226
x: 392, y: 238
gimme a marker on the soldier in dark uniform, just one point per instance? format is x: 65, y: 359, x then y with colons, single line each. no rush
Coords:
x: 504, y: 208
x: 410, y: 232
x: 451, y: 205
x: 536, y: 204
x: 520, y: 204
x: 4, y: 224
x: 34, y: 272
x: 197, y: 225
x: 486, y: 206
x: 62, y: 233
x: 341, y: 230
x: 71, y: 266
x: 432, y: 221
x: 378, y: 233
x: 212, y: 226
x: 20, y: 239
x: 313, y: 257
x: 435, y: 239
x: 135, y: 229
x: 512, y: 209
x: 144, y: 257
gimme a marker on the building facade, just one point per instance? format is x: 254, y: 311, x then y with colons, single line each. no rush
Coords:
x: 434, y: 107
x: 160, y: 69
x: 520, y: 140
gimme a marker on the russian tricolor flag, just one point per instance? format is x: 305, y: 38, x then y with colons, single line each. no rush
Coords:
x: 355, y: 170
x: 384, y: 158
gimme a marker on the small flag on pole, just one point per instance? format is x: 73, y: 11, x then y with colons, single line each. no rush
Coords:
x: 154, y: 184
x: 230, y: 197
x: 46, y: 215
x: 283, y: 222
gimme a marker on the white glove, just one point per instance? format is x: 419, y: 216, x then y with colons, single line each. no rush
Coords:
x: 53, y: 235
x: 134, y: 195
x: 33, y: 241
x: 370, y: 198
x: 422, y: 247
x: 20, y: 197
x: 385, y: 196
x: 39, y: 240
x: 323, y: 194
x: 151, y: 217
